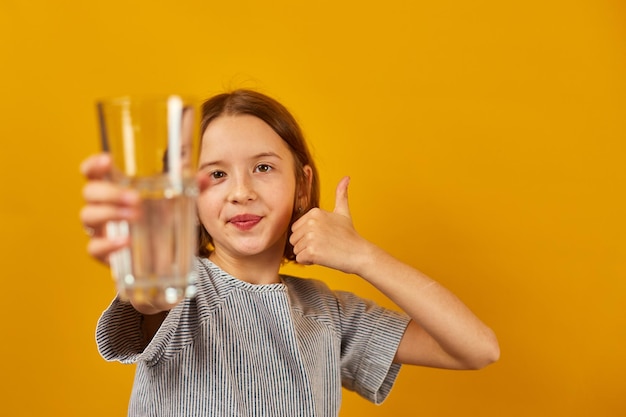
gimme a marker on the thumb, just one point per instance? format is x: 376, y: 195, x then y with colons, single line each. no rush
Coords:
x: 341, y: 198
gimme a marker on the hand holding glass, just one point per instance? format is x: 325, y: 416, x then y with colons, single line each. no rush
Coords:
x: 153, y: 143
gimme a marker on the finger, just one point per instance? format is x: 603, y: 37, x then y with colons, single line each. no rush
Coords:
x: 302, y: 253
x: 96, y: 216
x: 341, y: 198
x: 309, y: 220
x: 297, y: 234
x: 101, y: 247
x: 96, y: 166
x: 104, y: 192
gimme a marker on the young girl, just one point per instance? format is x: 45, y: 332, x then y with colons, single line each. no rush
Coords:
x: 253, y: 342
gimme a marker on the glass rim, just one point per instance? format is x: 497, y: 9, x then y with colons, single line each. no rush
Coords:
x: 125, y: 99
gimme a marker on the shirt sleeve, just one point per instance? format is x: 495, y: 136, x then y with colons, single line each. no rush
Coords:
x: 370, y: 338
x: 120, y: 337
x: 118, y: 333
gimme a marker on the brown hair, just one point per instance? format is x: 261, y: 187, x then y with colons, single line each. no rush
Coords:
x: 248, y: 102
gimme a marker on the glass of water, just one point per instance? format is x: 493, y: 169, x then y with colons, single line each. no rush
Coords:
x: 153, y: 142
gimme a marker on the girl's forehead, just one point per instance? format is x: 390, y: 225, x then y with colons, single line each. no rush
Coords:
x: 242, y: 134
x: 244, y: 127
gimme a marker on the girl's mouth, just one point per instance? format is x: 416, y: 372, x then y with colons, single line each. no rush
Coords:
x: 245, y: 221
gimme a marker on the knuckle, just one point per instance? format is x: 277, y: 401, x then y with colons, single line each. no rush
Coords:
x: 83, y: 215
x: 87, y: 191
x: 92, y: 249
x: 314, y: 213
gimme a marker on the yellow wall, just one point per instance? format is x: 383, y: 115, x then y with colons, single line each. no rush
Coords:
x: 485, y: 140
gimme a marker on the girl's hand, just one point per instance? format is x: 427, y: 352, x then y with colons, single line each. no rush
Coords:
x: 329, y: 238
x: 443, y: 332
x: 104, y: 201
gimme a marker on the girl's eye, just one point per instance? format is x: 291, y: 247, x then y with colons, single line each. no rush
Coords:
x: 263, y: 168
x: 216, y: 175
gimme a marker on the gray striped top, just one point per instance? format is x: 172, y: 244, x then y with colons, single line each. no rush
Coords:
x: 238, y: 349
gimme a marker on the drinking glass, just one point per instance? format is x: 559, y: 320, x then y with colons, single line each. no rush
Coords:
x: 153, y: 143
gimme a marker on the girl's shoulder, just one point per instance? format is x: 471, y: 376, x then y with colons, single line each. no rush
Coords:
x: 314, y: 296
x: 307, y: 288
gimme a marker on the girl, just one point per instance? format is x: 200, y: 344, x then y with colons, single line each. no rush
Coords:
x: 253, y: 342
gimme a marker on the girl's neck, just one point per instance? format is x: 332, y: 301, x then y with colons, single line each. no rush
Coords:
x: 258, y: 270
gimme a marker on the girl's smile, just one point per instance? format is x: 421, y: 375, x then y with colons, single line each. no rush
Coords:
x: 245, y: 222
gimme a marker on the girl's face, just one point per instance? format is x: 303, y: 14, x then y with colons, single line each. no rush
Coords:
x: 249, y: 201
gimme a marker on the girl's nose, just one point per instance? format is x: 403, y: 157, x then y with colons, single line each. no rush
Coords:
x: 242, y: 190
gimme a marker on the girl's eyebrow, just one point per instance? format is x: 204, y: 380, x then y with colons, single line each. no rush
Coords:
x: 266, y: 154
x: 206, y: 164
x: 257, y: 156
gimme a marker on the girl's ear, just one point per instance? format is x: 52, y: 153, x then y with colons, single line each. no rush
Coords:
x: 304, y: 188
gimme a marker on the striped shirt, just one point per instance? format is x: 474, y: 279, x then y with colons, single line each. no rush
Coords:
x: 238, y: 349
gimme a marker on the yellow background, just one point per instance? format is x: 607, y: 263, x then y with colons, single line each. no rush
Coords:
x: 485, y: 140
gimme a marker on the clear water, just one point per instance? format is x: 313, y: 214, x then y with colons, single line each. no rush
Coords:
x: 158, y: 267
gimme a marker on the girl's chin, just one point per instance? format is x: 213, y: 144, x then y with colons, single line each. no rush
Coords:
x: 253, y: 247
x: 248, y: 251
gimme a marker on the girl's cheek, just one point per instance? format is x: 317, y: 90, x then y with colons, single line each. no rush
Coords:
x: 206, y: 219
x: 207, y: 206
x: 204, y: 182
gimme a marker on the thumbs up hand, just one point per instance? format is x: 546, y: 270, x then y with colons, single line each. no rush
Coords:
x: 328, y: 238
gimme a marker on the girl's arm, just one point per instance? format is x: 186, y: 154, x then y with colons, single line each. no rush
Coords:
x: 443, y: 332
